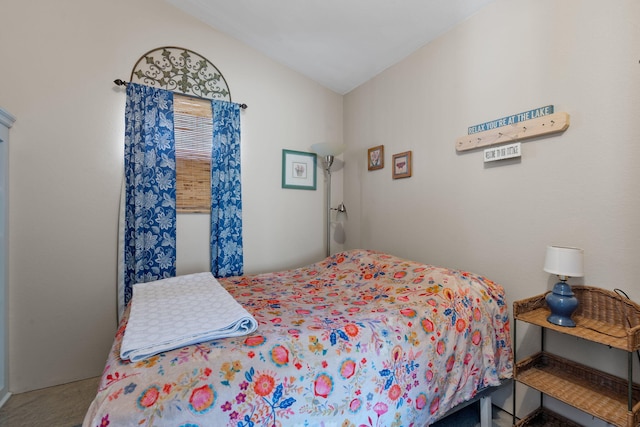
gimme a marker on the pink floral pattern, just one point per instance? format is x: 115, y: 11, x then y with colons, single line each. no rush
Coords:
x: 360, y: 339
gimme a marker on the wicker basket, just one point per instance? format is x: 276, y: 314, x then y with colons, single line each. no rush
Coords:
x: 602, y: 316
x: 583, y: 387
x: 544, y: 417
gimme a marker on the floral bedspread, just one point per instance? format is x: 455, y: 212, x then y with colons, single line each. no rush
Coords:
x: 360, y: 339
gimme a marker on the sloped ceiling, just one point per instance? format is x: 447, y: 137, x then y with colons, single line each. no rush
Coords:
x: 338, y: 43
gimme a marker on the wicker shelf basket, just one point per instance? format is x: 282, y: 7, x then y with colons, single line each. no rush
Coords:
x: 544, y: 417
x: 585, y: 388
x: 602, y: 317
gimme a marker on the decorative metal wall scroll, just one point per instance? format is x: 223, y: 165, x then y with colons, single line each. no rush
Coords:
x: 181, y: 70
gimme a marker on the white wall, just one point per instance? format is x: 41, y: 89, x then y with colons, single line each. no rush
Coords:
x: 58, y: 63
x: 581, y: 188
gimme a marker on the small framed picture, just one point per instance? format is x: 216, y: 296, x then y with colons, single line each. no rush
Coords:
x: 402, y: 165
x: 298, y: 170
x: 375, y: 156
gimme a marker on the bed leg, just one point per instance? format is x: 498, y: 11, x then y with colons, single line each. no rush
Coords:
x: 485, y: 411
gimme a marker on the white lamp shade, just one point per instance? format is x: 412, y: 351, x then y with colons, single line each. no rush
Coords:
x: 564, y: 261
x: 325, y: 149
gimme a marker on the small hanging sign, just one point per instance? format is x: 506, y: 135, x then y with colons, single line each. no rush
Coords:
x: 512, y: 119
x: 538, y: 124
x: 500, y: 153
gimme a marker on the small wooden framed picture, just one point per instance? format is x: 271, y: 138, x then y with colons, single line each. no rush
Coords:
x: 402, y: 165
x: 375, y: 157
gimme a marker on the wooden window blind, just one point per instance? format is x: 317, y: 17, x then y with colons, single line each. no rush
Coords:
x: 194, y: 134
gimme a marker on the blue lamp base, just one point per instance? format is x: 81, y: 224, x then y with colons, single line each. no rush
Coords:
x: 562, y: 304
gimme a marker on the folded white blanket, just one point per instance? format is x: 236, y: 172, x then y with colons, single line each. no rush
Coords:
x: 179, y: 311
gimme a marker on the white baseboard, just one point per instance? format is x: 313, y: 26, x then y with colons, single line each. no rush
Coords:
x: 4, y: 399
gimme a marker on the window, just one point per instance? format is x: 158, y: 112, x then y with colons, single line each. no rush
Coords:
x: 193, y: 126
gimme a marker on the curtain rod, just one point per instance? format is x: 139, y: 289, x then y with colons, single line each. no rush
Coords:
x: 120, y: 82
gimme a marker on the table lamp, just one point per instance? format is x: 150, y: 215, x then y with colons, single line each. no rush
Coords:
x: 564, y: 262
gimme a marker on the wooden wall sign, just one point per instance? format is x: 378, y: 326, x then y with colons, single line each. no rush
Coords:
x: 503, y: 152
x: 529, y: 124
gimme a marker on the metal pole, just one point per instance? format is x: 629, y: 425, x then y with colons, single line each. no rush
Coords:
x: 513, y: 397
x: 328, y: 162
x: 630, y: 382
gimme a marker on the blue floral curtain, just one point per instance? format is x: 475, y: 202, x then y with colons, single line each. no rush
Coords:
x: 226, y: 200
x: 150, y: 195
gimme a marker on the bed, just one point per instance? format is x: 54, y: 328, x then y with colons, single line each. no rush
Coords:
x: 361, y: 338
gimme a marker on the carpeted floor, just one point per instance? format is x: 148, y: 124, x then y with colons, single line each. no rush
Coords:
x: 60, y: 406
x: 470, y: 417
x: 466, y: 417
